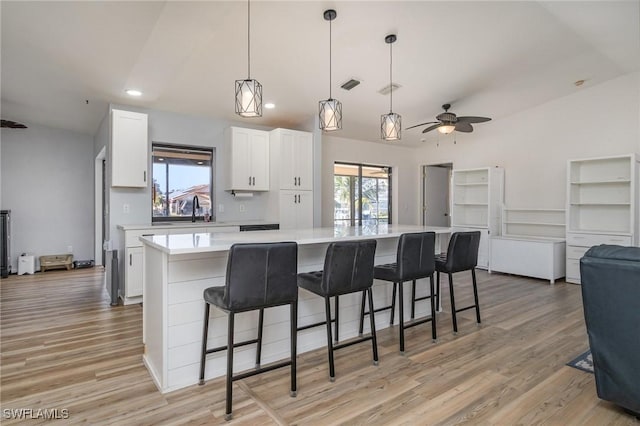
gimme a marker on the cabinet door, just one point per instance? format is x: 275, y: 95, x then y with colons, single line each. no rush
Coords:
x: 304, y: 210
x: 288, y: 209
x: 259, y: 160
x: 287, y: 162
x: 129, y: 149
x: 133, y: 272
x: 303, y: 160
x: 239, y: 147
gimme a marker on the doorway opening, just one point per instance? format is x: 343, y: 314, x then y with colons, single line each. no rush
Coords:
x: 100, y: 206
x: 436, y: 194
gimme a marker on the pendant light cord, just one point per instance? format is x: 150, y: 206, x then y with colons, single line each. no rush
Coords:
x: 330, y: 58
x: 248, y: 39
x: 391, y: 77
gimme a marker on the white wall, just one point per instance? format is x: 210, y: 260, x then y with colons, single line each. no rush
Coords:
x: 47, y: 183
x: 534, y: 145
x: 405, y: 179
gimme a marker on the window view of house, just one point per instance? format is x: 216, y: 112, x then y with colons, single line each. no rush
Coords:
x: 179, y: 175
x: 361, y: 194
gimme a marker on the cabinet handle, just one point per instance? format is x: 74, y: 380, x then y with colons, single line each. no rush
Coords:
x: 249, y: 180
x: 130, y: 259
x: 254, y: 181
x: 298, y: 180
x: 144, y: 176
x: 294, y: 181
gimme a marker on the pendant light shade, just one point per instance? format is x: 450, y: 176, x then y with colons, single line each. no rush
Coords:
x: 331, y: 109
x: 390, y: 124
x: 248, y: 91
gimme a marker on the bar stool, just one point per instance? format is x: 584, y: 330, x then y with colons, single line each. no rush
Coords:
x: 462, y: 255
x: 259, y: 276
x: 348, y: 268
x: 415, y: 260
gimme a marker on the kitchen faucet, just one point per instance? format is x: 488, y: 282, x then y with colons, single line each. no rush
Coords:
x: 195, y: 204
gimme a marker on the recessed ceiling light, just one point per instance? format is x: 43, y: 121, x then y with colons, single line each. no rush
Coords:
x: 269, y: 105
x: 579, y: 83
x: 133, y: 92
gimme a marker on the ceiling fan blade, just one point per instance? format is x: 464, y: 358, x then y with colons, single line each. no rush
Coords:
x: 470, y: 119
x: 435, y: 126
x: 418, y: 125
x: 464, y: 127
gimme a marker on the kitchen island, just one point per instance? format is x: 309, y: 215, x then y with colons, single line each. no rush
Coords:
x: 177, y: 269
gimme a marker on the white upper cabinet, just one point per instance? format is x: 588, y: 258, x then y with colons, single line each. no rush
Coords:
x: 129, y: 149
x: 248, y: 167
x: 292, y: 157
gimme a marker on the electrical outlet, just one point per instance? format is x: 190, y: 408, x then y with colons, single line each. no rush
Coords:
x: 69, y: 249
x: 221, y: 208
x: 241, y: 207
x: 125, y: 208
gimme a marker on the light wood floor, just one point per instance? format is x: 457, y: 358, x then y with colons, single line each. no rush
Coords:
x: 64, y: 347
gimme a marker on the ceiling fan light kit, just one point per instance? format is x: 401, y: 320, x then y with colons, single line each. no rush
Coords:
x: 448, y: 122
x: 391, y: 124
x: 330, y: 110
x: 248, y: 91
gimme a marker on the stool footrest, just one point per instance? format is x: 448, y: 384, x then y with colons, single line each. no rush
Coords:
x: 351, y: 342
x: 417, y: 299
x: 236, y: 345
x: 418, y: 322
x: 317, y: 324
x: 270, y: 367
x: 384, y: 308
x: 465, y: 309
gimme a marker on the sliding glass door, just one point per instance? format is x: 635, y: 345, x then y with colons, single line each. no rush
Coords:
x: 362, y: 194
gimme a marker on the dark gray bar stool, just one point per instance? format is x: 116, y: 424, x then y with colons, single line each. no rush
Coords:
x: 415, y: 260
x: 462, y: 255
x: 348, y: 268
x: 259, y: 276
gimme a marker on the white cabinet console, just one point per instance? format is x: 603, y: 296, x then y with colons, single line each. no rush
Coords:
x: 129, y: 149
x: 248, y: 152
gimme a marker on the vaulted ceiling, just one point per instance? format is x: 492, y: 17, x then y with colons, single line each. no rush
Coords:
x: 485, y: 58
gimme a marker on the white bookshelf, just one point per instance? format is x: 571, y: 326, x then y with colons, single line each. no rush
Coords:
x: 602, y: 198
x: 532, y: 243
x: 477, y: 198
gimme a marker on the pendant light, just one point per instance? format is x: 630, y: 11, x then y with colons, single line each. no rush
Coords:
x: 331, y: 109
x: 390, y: 124
x: 248, y: 91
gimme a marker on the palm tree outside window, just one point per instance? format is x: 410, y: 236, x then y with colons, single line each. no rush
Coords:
x: 362, y: 194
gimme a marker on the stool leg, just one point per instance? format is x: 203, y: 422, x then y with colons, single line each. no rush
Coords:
x: 374, y: 340
x: 205, y: 333
x: 337, y: 316
x: 294, y: 347
x: 259, y: 347
x: 327, y: 310
x: 434, y: 337
x: 393, y: 304
x: 438, y: 289
x: 453, y: 304
x: 413, y: 299
x: 228, y: 414
x: 364, y: 300
x: 475, y: 294
x: 401, y: 315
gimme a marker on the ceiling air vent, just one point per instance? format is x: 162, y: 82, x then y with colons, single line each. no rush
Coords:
x: 387, y: 89
x: 350, y: 84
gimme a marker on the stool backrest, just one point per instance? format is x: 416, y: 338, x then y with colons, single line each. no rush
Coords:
x: 416, y: 255
x: 462, y: 254
x: 261, y: 275
x: 348, y: 267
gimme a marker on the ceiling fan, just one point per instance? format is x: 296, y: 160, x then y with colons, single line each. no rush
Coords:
x: 448, y: 122
x: 12, y: 124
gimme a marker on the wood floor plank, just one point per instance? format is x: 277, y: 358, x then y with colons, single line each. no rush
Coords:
x: 64, y: 347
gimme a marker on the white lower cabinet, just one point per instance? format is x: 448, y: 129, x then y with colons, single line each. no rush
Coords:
x: 579, y: 243
x: 530, y: 257
x: 296, y: 209
x: 133, y: 272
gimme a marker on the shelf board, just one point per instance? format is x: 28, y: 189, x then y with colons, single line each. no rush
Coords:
x: 599, y: 231
x: 472, y: 184
x: 533, y: 223
x: 601, y: 204
x: 466, y: 225
x: 601, y: 182
x: 470, y: 204
x: 535, y: 210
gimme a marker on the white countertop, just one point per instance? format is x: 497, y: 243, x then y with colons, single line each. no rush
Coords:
x: 187, y: 224
x: 212, y: 242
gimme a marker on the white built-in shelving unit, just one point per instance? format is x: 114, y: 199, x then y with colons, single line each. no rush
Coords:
x: 532, y: 243
x: 478, y: 196
x: 602, y: 206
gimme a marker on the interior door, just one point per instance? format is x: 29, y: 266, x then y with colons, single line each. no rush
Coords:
x: 435, y: 184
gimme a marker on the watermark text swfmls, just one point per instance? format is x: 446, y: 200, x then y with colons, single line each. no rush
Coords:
x: 35, y: 413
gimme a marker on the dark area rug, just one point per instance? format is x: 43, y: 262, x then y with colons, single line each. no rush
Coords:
x: 583, y: 362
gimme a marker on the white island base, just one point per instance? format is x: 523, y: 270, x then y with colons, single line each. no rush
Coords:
x: 177, y: 269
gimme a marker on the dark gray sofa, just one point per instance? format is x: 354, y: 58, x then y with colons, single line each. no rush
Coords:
x: 610, y: 277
